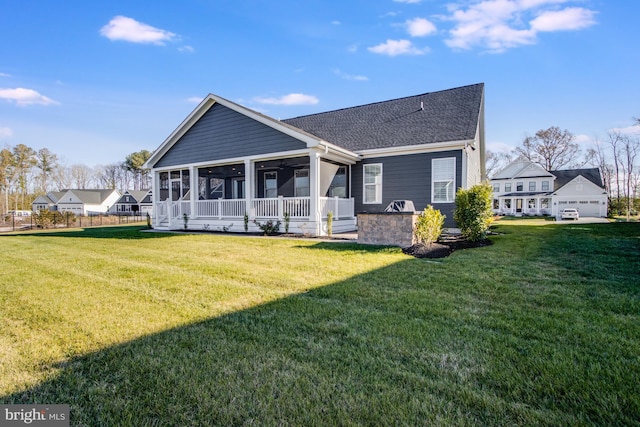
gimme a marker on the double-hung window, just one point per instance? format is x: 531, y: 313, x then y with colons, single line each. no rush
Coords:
x: 443, y: 180
x: 372, y: 183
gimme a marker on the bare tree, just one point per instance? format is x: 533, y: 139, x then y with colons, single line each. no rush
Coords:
x: 630, y: 150
x: 81, y: 176
x: 110, y: 176
x: 615, y: 143
x: 551, y: 148
x: 497, y: 160
x: 598, y: 158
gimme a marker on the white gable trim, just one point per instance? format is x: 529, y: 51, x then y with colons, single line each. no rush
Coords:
x: 211, y: 99
x: 579, y: 180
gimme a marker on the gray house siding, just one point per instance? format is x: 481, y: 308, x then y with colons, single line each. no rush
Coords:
x: 222, y: 133
x: 405, y: 177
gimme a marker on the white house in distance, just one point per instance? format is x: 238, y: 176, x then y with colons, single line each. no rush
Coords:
x: 134, y: 202
x: 80, y: 202
x: 526, y: 188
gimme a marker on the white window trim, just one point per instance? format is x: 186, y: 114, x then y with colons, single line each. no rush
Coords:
x: 378, y: 198
x: 453, y: 181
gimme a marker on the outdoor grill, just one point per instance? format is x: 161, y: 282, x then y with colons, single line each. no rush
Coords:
x: 400, y: 206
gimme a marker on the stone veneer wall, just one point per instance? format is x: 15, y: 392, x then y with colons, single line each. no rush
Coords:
x: 387, y: 228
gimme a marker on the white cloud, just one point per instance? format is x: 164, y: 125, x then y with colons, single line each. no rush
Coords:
x: 187, y: 49
x: 420, y: 27
x: 629, y: 130
x: 128, y: 29
x: 5, y: 132
x: 291, y: 99
x: 572, y: 18
x: 407, y: 1
x: 346, y: 76
x: 5, y: 75
x: 397, y: 47
x: 336, y: 22
x: 24, y: 97
x: 194, y: 100
x: 498, y: 25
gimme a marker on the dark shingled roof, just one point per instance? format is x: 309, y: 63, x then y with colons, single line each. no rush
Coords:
x: 448, y: 115
x: 563, y: 177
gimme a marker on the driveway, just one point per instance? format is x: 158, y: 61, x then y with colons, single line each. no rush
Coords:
x: 584, y: 220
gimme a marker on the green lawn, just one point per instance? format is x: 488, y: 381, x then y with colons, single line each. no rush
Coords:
x: 133, y: 328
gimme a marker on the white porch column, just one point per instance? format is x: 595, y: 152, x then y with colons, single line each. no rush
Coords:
x: 249, y: 186
x: 155, y: 196
x: 314, y: 192
x: 193, y: 177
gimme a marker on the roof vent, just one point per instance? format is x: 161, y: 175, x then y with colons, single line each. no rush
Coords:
x: 422, y: 105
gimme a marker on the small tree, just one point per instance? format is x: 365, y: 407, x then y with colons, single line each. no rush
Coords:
x: 473, y: 212
x: 429, y: 225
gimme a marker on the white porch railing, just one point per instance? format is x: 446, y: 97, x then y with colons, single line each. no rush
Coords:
x: 221, y: 208
x: 341, y: 208
x: 296, y: 207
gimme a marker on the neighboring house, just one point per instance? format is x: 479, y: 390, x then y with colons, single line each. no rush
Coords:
x: 134, y: 202
x: 87, y: 202
x: 47, y: 202
x: 225, y: 161
x: 526, y: 188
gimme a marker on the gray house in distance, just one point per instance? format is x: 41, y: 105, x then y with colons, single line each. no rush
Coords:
x: 226, y: 161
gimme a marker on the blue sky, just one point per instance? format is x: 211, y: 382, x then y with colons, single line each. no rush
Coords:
x: 96, y: 81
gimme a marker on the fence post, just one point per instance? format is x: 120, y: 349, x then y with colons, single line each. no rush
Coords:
x: 280, y: 207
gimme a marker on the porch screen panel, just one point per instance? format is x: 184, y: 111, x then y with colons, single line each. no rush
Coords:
x: 333, y: 180
x: 443, y: 173
x: 301, y: 183
x: 270, y: 184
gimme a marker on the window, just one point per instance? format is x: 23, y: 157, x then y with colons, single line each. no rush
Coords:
x: 372, y: 183
x: 532, y: 186
x: 496, y: 204
x: 544, y: 203
x: 545, y: 185
x: 507, y: 203
x: 301, y: 183
x: 270, y: 184
x: 519, y: 186
x: 531, y: 203
x: 507, y: 186
x: 496, y: 188
x: 443, y: 172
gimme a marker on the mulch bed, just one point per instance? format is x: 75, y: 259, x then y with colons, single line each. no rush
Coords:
x: 444, y: 247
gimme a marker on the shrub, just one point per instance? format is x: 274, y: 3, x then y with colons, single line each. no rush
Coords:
x: 429, y: 225
x: 268, y: 228
x: 330, y: 223
x: 287, y: 219
x: 473, y: 212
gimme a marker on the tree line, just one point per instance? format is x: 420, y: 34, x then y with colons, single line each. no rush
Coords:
x: 26, y: 173
x: 617, y: 157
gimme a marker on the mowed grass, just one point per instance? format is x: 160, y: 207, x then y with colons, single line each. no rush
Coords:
x: 134, y: 328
